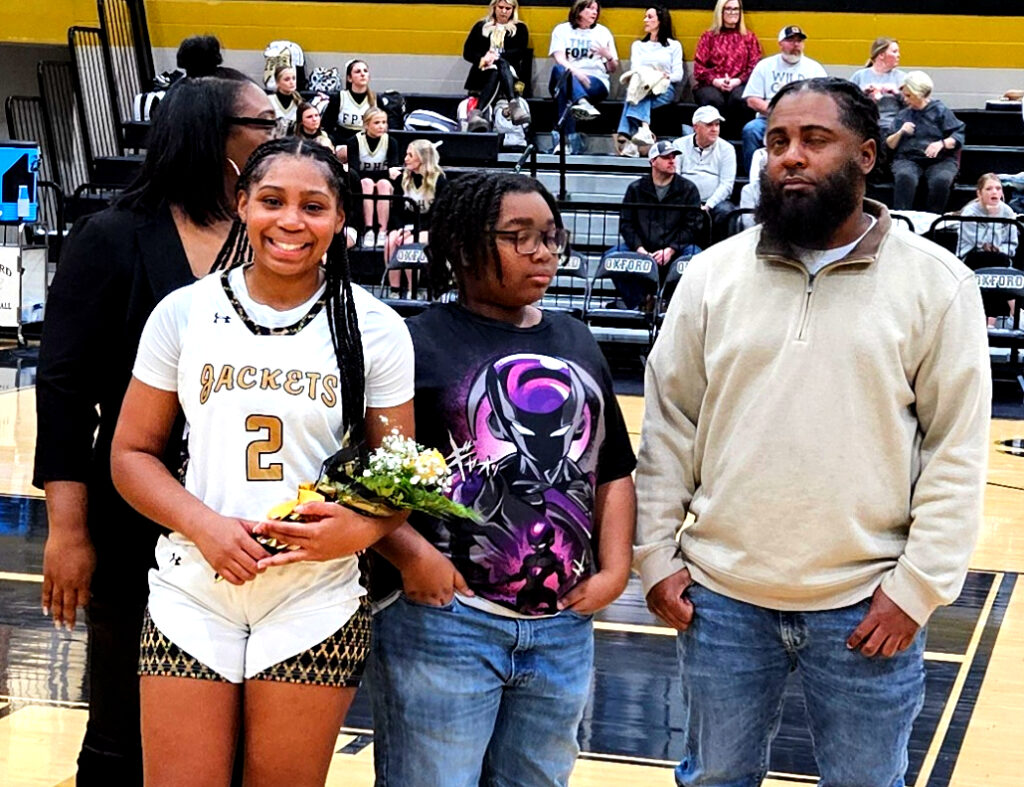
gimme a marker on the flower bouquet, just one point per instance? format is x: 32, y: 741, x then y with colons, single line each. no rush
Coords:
x: 399, y: 475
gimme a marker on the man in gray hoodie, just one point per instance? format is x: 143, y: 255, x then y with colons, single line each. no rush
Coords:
x: 818, y: 403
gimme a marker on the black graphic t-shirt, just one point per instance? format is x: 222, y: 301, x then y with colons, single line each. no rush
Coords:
x: 532, y: 418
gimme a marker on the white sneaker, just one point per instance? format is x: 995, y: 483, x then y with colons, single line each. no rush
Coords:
x: 382, y: 238
x: 629, y: 150
x: 369, y: 239
x: 584, y: 110
x: 644, y: 136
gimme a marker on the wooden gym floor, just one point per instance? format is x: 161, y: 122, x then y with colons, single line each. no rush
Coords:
x: 968, y: 735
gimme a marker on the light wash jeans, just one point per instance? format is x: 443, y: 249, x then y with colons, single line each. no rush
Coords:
x: 734, y: 660
x: 753, y: 138
x: 633, y: 115
x: 594, y: 93
x: 464, y: 698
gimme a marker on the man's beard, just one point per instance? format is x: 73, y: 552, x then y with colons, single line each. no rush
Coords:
x: 791, y: 59
x: 809, y: 218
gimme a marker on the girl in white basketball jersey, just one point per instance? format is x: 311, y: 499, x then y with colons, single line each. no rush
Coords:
x: 373, y: 156
x: 271, y: 363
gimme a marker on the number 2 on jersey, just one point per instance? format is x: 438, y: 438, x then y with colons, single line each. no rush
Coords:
x: 255, y: 470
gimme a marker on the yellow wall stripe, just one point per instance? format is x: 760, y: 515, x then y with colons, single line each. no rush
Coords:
x: 423, y: 29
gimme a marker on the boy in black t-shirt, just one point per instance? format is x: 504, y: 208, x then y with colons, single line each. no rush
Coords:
x: 482, y: 664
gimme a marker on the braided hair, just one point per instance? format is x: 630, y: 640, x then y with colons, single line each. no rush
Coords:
x: 856, y: 111
x: 340, y: 306
x: 461, y: 242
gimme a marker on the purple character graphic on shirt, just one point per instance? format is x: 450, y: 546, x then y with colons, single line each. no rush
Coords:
x: 535, y: 424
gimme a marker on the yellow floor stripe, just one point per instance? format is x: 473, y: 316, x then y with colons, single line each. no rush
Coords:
x: 14, y: 576
x: 958, y: 685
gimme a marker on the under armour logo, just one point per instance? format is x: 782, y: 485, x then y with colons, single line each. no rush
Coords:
x: 217, y: 317
x: 175, y: 559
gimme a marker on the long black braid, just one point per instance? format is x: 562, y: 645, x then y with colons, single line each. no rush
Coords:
x: 460, y: 242
x: 341, y: 309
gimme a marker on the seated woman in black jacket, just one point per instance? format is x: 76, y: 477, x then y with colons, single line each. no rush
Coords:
x: 924, y: 137
x: 496, y: 47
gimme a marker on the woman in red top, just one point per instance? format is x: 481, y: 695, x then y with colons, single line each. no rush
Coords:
x: 725, y: 56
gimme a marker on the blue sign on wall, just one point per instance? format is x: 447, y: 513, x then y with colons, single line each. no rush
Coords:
x: 19, y: 169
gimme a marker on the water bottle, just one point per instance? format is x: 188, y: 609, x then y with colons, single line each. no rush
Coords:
x: 23, y: 204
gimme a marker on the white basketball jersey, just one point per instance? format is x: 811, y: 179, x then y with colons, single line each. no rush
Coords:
x: 350, y: 113
x: 376, y: 161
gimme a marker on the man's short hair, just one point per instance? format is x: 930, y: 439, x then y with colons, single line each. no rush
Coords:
x: 856, y: 111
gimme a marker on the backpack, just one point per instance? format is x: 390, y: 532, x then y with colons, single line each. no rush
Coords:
x: 428, y: 120
x: 393, y: 104
x: 325, y: 80
x: 283, y: 53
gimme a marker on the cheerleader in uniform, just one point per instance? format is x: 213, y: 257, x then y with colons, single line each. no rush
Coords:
x: 373, y: 156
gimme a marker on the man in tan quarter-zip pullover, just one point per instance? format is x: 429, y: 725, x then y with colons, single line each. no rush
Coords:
x: 818, y: 401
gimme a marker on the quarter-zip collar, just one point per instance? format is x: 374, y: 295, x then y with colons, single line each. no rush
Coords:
x: 864, y: 253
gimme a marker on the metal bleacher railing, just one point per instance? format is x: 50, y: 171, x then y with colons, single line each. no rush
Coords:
x: 129, y: 54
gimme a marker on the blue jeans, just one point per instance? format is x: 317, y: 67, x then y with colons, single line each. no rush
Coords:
x: 632, y: 291
x: 753, y: 138
x: 734, y: 660
x: 464, y: 698
x: 595, y: 92
x: 633, y: 115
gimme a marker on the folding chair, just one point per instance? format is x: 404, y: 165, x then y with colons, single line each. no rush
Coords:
x: 411, y: 257
x: 734, y: 222
x: 94, y: 94
x: 568, y: 291
x: 625, y: 266
x: 668, y: 288
x: 1006, y: 284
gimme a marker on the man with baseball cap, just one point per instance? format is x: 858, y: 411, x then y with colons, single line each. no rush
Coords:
x: 709, y: 162
x: 665, y: 230
x: 789, y: 65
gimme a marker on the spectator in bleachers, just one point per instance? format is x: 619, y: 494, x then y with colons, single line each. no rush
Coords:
x: 170, y: 227
x: 750, y: 194
x: 373, y: 155
x: 709, y: 162
x: 925, y: 138
x: 355, y: 100
x: 422, y: 181
x: 585, y: 51
x: 881, y: 80
x: 285, y: 98
x: 656, y: 66
x: 989, y: 238
x: 496, y: 50
x: 199, y: 56
x: 308, y: 126
x: 725, y: 58
x: 789, y: 65
x: 661, y: 234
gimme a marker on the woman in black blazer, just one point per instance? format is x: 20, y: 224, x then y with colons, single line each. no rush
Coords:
x: 496, y: 49
x: 166, y: 230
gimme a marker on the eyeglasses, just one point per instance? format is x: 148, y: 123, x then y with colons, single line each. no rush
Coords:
x: 728, y: 10
x: 528, y: 241
x: 271, y: 125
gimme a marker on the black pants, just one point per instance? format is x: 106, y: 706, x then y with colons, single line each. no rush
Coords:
x: 938, y: 177
x: 498, y: 81
x: 730, y: 105
x: 112, y: 748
